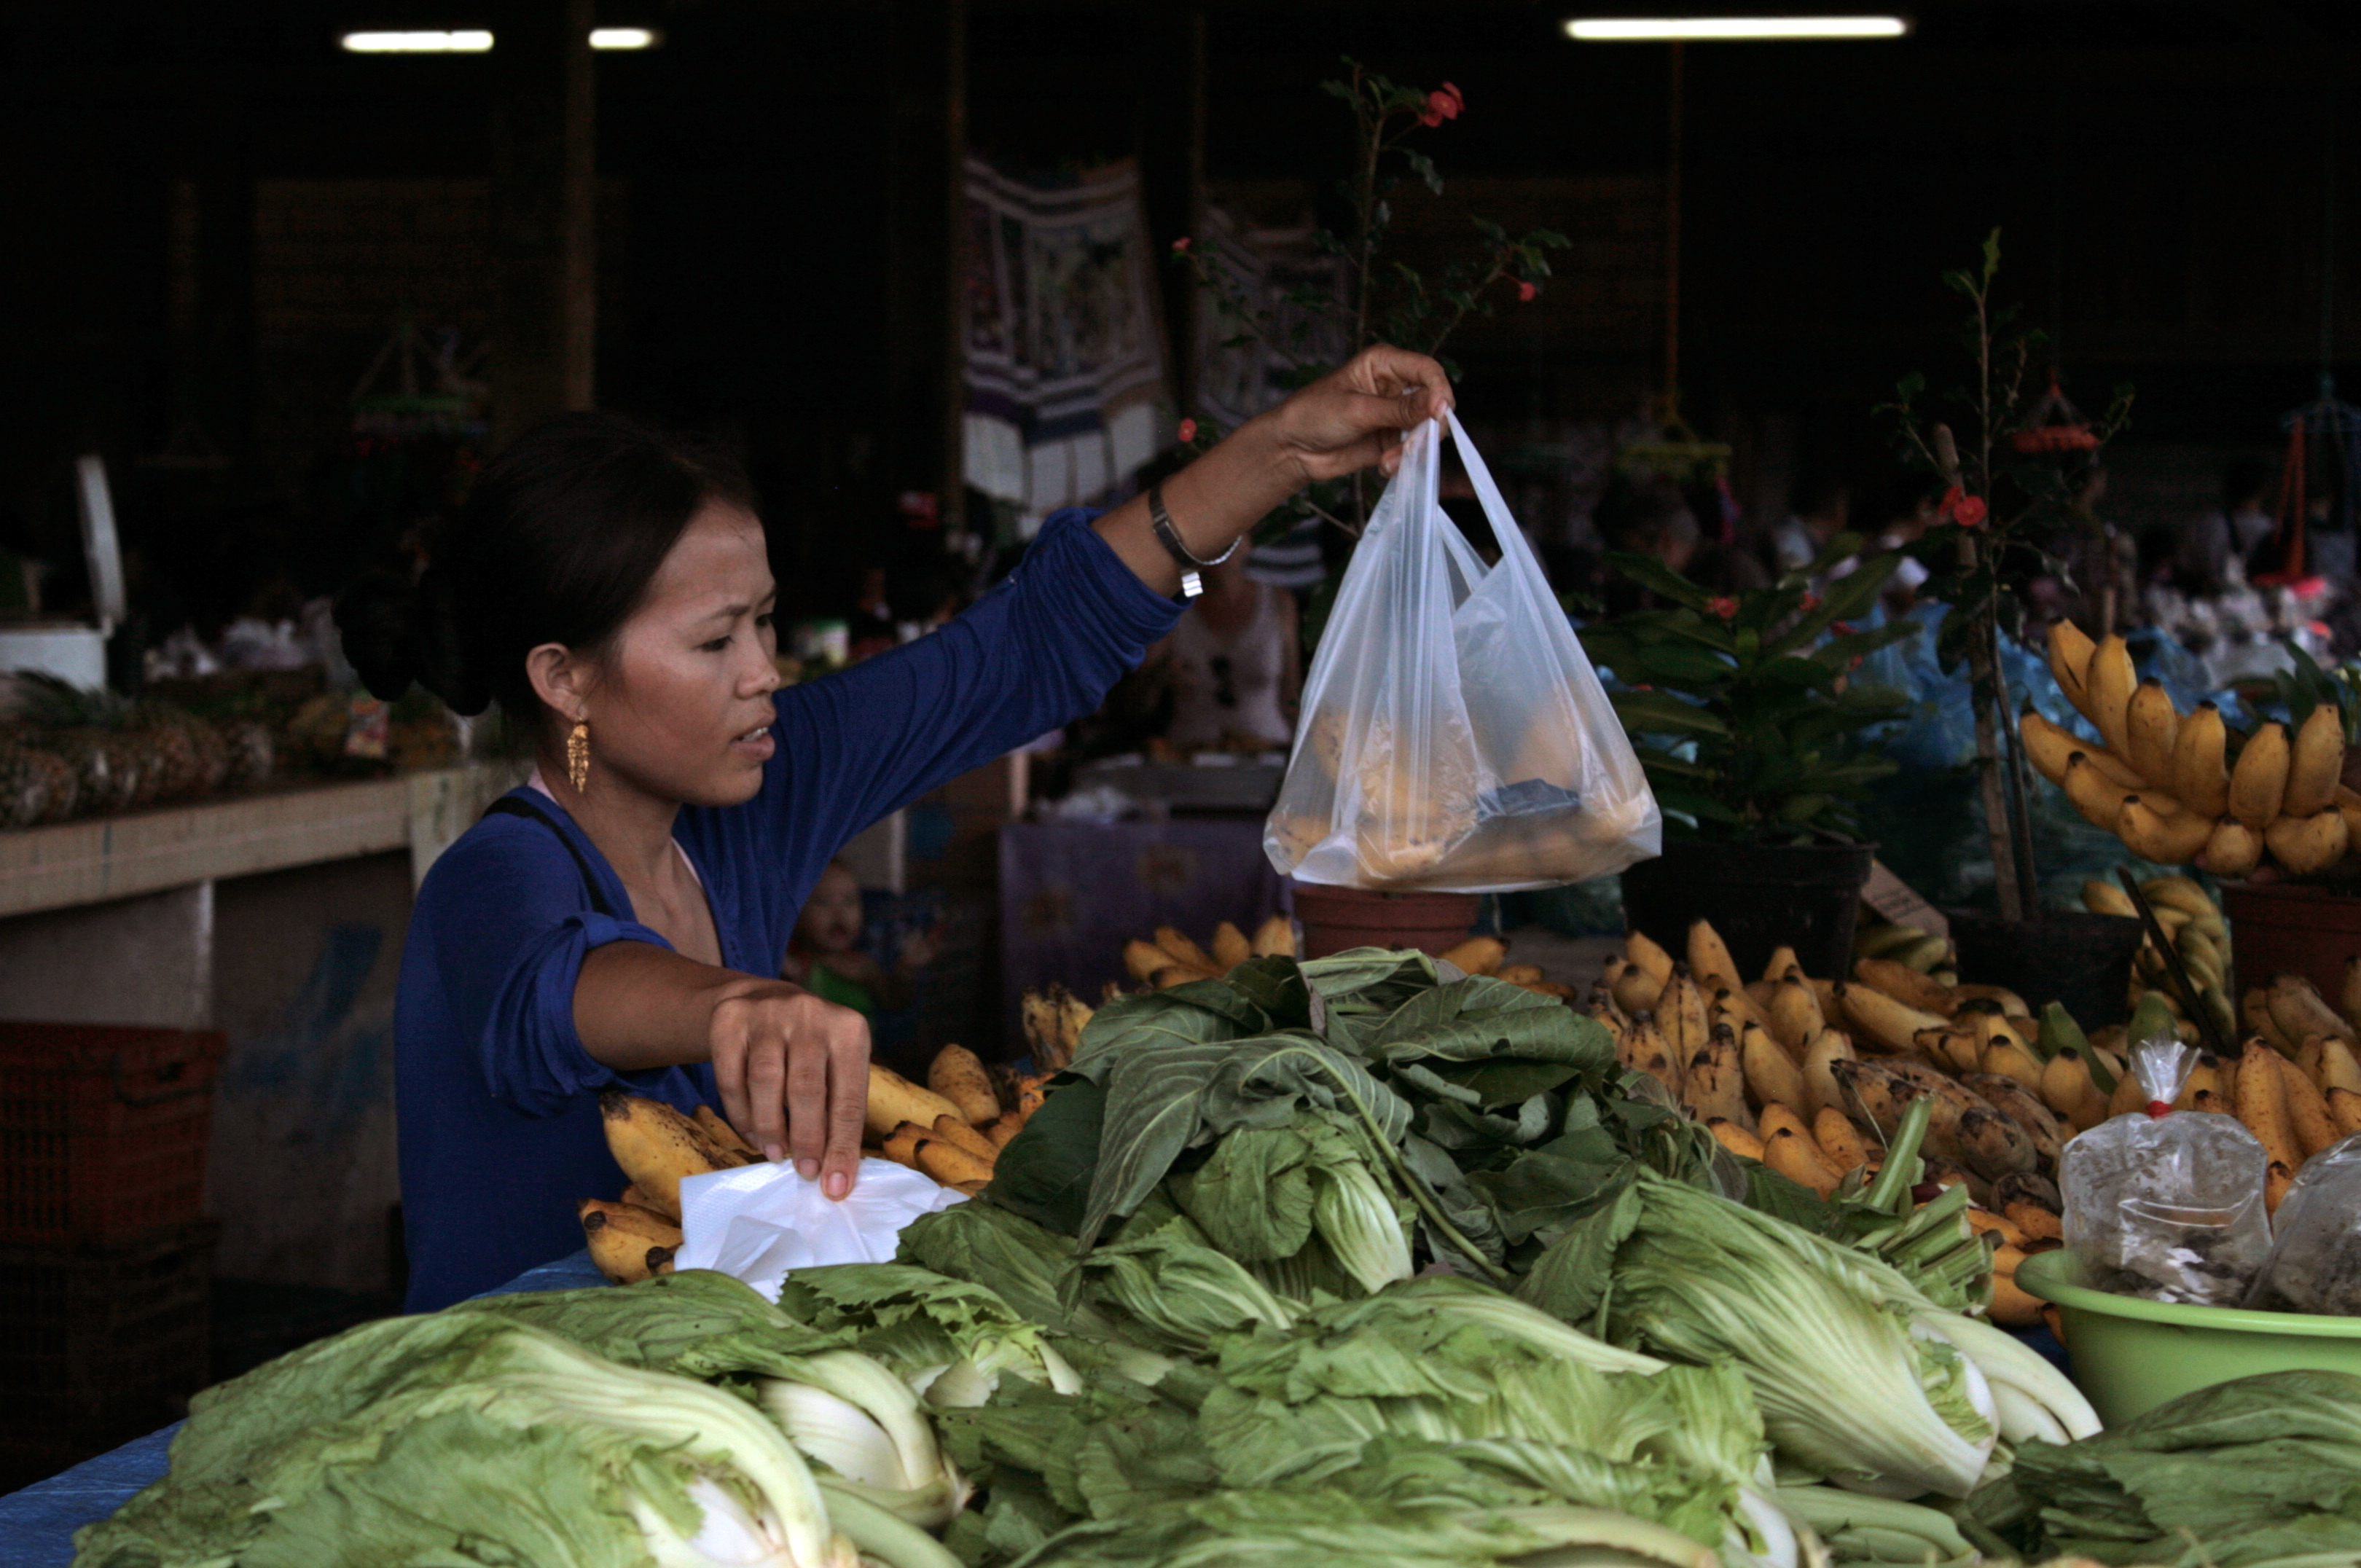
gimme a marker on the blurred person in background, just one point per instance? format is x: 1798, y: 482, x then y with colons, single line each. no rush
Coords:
x: 1234, y: 662
x: 1819, y: 508
x: 2214, y: 552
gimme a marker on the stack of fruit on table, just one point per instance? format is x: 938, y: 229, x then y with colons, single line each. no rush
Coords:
x: 2174, y: 786
x: 1356, y: 1259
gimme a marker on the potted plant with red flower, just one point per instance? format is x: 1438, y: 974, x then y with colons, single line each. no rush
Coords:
x: 2020, y: 480
x: 1749, y: 714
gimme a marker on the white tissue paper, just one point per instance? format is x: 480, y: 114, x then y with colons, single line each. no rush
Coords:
x: 760, y: 1222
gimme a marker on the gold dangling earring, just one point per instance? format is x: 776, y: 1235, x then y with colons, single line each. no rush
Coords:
x: 577, y: 756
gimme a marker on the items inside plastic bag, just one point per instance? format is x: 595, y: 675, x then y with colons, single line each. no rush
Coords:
x: 2315, y: 1262
x: 1455, y: 737
x: 2167, y: 1205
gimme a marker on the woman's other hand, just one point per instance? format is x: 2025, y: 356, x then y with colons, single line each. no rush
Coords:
x: 1355, y: 418
x: 793, y: 1076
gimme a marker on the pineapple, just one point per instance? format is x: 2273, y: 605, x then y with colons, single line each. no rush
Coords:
x: 35, y: 785
x: 249, y: 751
x: 114, y: 770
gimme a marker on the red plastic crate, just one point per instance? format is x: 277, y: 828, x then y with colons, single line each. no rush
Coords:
x: 104, y: 1129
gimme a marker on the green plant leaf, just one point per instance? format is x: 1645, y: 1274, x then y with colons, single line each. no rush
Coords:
x: 1659, y: 713
x: 1652, y: 574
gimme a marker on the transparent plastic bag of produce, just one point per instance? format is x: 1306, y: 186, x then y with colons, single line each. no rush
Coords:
x: 1454, y: 737
x: 2315, y: 1263
x: 2163, y: 1204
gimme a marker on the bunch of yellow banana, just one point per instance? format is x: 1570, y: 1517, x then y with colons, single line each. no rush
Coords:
x: 2297, y: 1084
x: 1172, y: 958
x: 2162, y: 781
x: 2199, y: 935
x: 1769, y: 1065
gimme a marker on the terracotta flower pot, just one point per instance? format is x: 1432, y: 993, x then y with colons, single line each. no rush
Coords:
x: 1336, y: 918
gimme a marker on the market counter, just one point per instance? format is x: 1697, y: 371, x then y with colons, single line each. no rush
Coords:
x: 37, y: 1524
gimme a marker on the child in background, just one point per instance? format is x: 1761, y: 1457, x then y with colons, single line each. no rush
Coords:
x: 825, y: 957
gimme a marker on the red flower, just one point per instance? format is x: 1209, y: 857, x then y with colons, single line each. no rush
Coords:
x: 1811, y: 602
x: 1723, y: 605
x: 1841, y: 629
x: 1525, y: 292
x: 1444, y: 103
x: 1188, y: 430
x: 1180, y: 245
x: 1969, y: 510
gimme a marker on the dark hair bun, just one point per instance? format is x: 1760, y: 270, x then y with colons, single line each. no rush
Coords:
x: 397, y: 632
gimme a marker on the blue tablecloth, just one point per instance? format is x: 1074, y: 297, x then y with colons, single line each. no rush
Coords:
x: 37, y: 1524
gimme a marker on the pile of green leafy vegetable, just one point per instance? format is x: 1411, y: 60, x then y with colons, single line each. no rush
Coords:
x: 1336, y: 1118
x: 2259, y: 1471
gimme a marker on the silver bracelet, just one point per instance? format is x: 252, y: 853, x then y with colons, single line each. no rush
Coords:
x: 1191, y: 584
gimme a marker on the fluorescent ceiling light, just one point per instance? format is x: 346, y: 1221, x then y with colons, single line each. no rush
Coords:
x: 623, y: 38
x: 1661, y: 30
x: 472, y: 42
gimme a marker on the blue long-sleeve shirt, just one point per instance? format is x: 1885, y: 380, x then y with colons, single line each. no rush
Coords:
x: 498, y: 1100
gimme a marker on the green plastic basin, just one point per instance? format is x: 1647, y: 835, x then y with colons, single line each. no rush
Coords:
x: 2131, y: 1356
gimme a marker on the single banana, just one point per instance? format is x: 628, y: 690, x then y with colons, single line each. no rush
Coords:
x: 2151, y: 725
x: 1771, y: 1075
x: 2199, y: 774
x: 2297, y: 1008
x: 2106, y: 898
x: 2349, y: 994
x: 1783, y: 958
x: 2092, y: 792
x: 1880, y: 941
x: 2314, y: 762
x: 655, y: 1145
x: 2070, y: 663
x: 1714, y: 1081
x: 1905, y: 984
x: 1890, y: 1024
x: 626, y: 1243
x: 1651, y: 957
x: 1821, y: 1090
x: 2047, y: 745
x: 1795, y: 1019
x: 1709, y: 957
x: 2013, y: 1098
x: 1925, y: 955
x: 2254, y: 1013
x: 2258, y: 783
x: 2110, y: 684
x: 2307, y: 844
x: 2167, y: 840
x: 2234, y: 850
x: 2178, y: 893
x: 2348, y: 805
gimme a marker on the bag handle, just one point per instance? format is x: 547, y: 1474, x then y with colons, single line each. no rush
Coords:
x: 1505, y: 532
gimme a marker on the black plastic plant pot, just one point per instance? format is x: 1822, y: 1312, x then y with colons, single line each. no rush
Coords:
x: 2062, y: 955
x: 1758, y: 896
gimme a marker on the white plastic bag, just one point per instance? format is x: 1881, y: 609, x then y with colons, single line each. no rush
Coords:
x: 2166, y: 1204
x: 2315, y: 1263
x: 1455, y: 737
x: 760, y: 1222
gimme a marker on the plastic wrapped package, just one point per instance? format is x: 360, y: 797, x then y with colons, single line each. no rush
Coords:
x: 1455, y: 737
x: 2164, y: 1204
x: 2315, y: 1262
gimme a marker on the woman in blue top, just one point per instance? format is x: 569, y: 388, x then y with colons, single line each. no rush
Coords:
x: 619, y: 919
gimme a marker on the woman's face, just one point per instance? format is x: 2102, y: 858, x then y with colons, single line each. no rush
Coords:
x: 681, y: 703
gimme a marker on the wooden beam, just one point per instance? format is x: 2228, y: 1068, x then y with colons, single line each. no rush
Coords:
x: 545, y: 188
x: 926, y: 149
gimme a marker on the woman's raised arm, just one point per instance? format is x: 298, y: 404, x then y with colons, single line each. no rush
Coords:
x: 1347, y: 422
